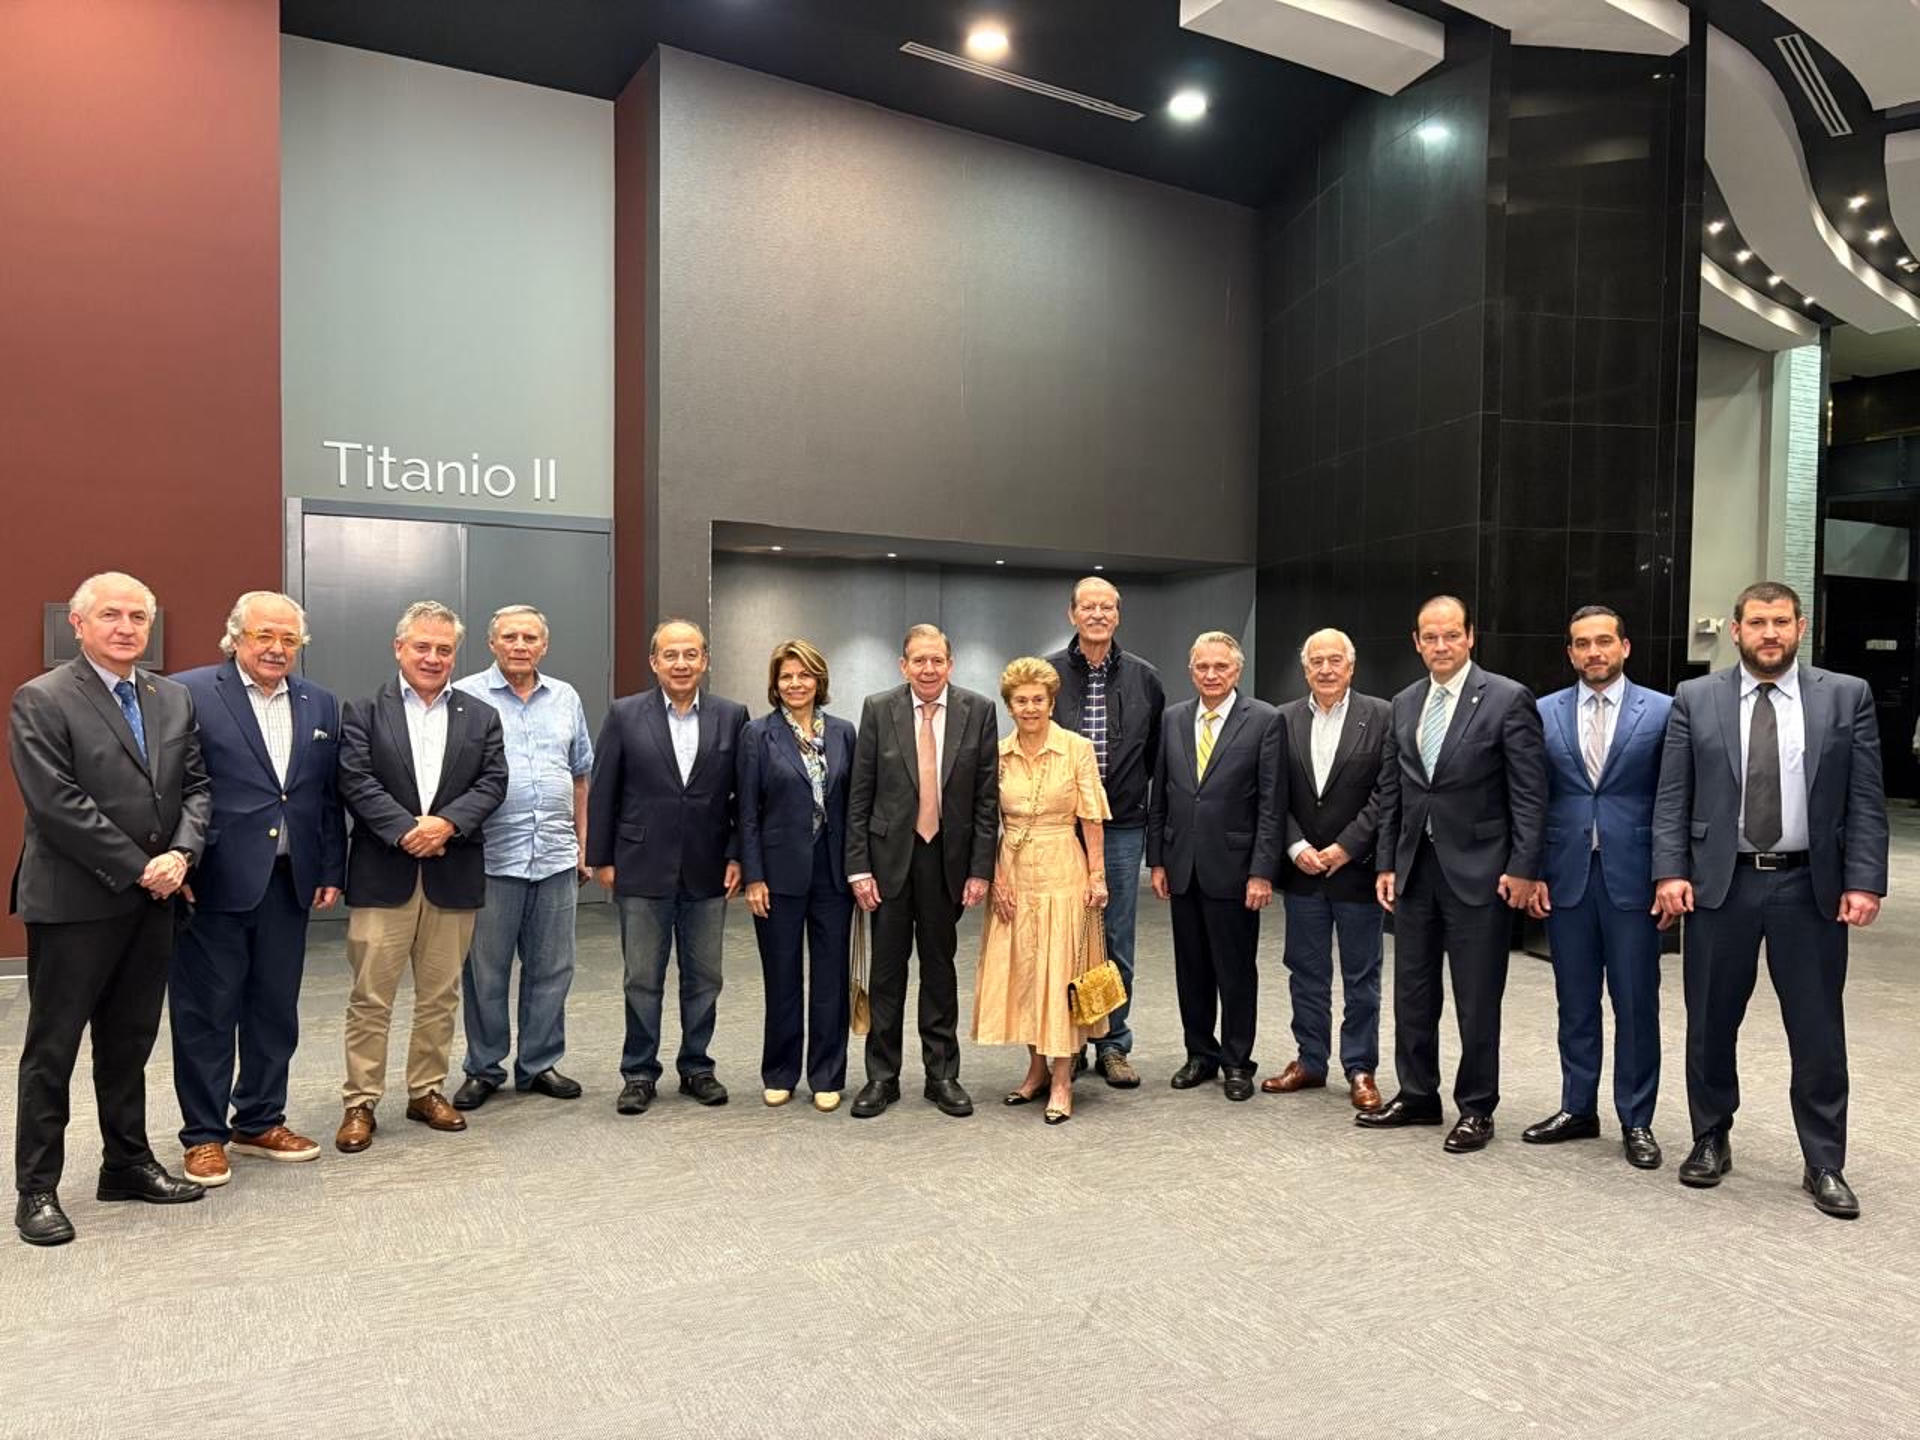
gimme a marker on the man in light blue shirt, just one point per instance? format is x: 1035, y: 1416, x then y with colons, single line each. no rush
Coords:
x: 536, y: 854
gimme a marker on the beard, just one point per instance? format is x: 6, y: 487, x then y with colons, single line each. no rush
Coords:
x: 1765, y: 669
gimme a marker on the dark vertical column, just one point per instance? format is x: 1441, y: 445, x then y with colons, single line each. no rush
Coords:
x: 635, y: 214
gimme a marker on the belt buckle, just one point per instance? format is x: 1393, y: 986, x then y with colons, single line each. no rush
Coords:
x: 1764, y: 860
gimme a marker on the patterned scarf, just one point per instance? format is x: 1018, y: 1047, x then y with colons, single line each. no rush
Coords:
x: 813, y: 753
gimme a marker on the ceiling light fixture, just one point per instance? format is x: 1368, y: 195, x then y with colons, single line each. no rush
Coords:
x: 1857, y: 202
x: 1741, y: 257
x: 1099, y: 567
x: 999, y: 562
x: 1773, y: 280
x: 1433, y: 132
x: 1808, y: 299
x: 1714, y: 227
x: 893, y: 554
x: 987, y: 42
x: 1187, y: 106
x: 1876, y: 235
x: 776, y: 549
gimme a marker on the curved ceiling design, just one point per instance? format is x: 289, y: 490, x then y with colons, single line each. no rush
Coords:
x: 1878, y: 40
x: 1754, y: 150
x: 1635, y: 27
x: 1903, y: 183
x: 1370, y: 42
x: 1742, y: 313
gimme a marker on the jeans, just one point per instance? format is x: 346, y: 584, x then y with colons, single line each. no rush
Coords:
x: 536, y: 918
x: 1124, y: 847
x: 650, y: 927
x: 1312, y: 921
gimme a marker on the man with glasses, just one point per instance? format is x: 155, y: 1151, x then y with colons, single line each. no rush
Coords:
x: 277, y: 850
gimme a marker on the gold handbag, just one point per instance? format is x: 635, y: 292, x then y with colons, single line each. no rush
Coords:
x: 859, y: 1010
x: 1096, y: 990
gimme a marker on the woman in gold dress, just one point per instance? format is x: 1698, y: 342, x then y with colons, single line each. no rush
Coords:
x: 1044, y: 886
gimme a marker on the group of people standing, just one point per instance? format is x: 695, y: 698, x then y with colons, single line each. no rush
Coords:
x: 180, y: 832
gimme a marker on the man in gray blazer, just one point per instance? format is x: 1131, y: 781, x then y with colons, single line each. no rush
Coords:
x: 117, y: 801
x: 1770, y: 824
x: 923, y: 818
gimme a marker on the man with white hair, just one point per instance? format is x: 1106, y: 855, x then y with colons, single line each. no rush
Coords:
x: 277, y: 850
x: 116, y: 802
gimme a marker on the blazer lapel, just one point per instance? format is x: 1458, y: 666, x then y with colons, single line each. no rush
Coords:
x: 300, y: 699
x: 781, y: 734
x: 950, y: 746
x: 1815, y: 703
x: 1352, y: 730
x: 1464, y: 709
x: 653, y: 720
x: 1566, y: 719
x: 108, y: 705
x: 705, y: 725
x: 1236, y: 717
x: 1727, y: 701
x: 392, y: 710
x: 1188, y: 716
x: 1300, y: 740
x: 1631, y: 709
x: 904, y: 732
x: 233, y: 690
x: 456, y: 703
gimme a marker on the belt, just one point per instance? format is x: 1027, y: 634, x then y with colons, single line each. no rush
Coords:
x: 1772, y: 859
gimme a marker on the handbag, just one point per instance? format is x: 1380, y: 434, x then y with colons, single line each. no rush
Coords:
x: 859, y: 1008
x: 1096, y: 990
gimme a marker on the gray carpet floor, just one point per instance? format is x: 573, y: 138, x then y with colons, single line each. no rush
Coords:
x: 1167, y: 1264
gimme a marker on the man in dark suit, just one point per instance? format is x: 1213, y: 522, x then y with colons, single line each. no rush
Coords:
x: 1770, y: 824
x: 1463, y: 798
x: 663, y: 835
x: 1334, y: 738
x: 1603, y: 740
x: 1213, y: 848
x: 422, y: 766
x: 277, y: 849
x: 116, y: 804
x: 923, y: 817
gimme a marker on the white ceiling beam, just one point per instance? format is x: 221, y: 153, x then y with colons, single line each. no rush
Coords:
x: 1370, y: 42
x: 1636, y: 27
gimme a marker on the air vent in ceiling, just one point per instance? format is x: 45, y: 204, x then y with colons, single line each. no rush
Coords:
x: 1020, y: 82
x: 1799, y: 57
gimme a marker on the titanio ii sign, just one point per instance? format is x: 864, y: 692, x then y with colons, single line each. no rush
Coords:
x: 359, y: 466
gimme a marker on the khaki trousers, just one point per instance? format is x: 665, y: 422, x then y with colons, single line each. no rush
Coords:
x: 380, y: 943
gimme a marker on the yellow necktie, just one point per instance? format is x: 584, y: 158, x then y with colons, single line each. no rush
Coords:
x: 1205, y: 751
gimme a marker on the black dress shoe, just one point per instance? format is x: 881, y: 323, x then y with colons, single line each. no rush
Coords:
x: 473, y: 1092
x: 1831, y: 1193
x: 874, y: 1097
x: 1239, y: 1085
x: 635, y: 1097
x: 1397, y: 1112
x: 950, y: 1097
x: 147, y: 1182
x: 1469, y: 1133
x: 704, y: 1088
x: 1642, y: 1150
x: 40, y: 1220
x: 548, y: 1082
x: 1194, y: 1072
x: 1560, y: 1126
x: 1710, y: 1158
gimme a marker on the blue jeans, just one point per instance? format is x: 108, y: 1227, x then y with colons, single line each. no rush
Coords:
x: 650, y: 927
x: 534, y: 917
x: 1311, y: 923
x: 1124, y: 847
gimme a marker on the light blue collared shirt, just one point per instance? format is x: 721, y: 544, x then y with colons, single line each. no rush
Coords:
x: 685, y: 730
x: 532, y: 835
x: 1790, y: 725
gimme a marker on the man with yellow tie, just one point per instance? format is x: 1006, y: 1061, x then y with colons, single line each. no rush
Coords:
x: 1214, y: 832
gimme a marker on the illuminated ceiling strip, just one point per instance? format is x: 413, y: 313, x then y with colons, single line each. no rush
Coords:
x: 1020, y: 82
x: 1739, y: 312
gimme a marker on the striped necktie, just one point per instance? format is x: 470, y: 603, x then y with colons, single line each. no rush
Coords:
x: 1204, y: 752
x: 1433, y: 729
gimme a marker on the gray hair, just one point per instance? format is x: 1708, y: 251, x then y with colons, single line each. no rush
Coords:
x: 1082, y: 584
x: 1328, y: 634
x: 82, y: 602
x: 1217, y: 637
x: 493, y: 625
x: 421, y: 610
x: 653, y: 641
x: 237, y: 617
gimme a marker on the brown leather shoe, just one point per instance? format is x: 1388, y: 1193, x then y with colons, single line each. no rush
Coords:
x: 278, y: 1143
x: 356, y: 1130
x: 1295, y: 1077
x: 207, y: 1165
x: 432, y: 1109
x: 1366, y: 1095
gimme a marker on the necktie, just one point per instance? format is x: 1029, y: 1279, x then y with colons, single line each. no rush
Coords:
x: 1433, y: 729
x: 130, y: 707
x: 1204, y: 751
x: 1763, y: 772
x: 927, y: 823
x: 1596, y: 751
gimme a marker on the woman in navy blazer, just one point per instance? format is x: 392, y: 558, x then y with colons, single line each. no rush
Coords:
x: 793, y: 771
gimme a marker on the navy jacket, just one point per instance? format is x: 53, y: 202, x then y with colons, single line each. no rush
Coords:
x: 1217, y: 833
x: 1622, y: 804
x: 776, y: 805
x: 1135, y: 699
x: 250, y: 806
x: 662, y: 837
x: 1347, y: 812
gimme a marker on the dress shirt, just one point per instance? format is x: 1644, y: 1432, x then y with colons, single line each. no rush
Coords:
x: 1610, y: 723
x: 427, y: 737
x: 1323, y: 745
x: 685, y: 731
x: 939, y: 703
x: 1220, y: 713
x: 1452, y: 690
x: 109, y: 679
x: 1790, y: 724
x: 273, y: 713
x: 533, y: 835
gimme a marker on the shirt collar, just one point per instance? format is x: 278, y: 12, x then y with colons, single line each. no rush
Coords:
x: 1457, y: 684
x: 673, y: 712
x: 252, y: 684
x: 937, y: 700
x: 1787, y: 683
x: 1201, y: 708
x: 1313, y: 703
x: 407, y: 692
x: 495, y: 679
x: 1614, y: 692
x: 107, y: 677
x: 1056, y: 741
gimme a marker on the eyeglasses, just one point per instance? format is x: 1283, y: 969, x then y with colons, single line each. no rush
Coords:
x: 284, y: 639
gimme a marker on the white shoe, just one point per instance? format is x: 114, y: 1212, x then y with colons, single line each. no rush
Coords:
x: 776, y: 1097
x: 826, y: 1101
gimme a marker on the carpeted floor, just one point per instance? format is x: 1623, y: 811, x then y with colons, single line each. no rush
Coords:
x: 1166, y: 1265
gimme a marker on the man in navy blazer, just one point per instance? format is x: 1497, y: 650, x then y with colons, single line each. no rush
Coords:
x: 1214, y: 830
x: 276, y: 849
x: 1770, y: 824
x: 662, y: 835
x: 1603, y: 739
x: 1463, y: 799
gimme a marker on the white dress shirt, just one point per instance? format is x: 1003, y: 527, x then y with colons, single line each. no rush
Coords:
x: 1220, y: 712
x: 1452, y: 690
x: 1323, y: 743
x: 274, y: 715
x: 1790, y: 724
x: 685, y: 732
x: 427, y: 736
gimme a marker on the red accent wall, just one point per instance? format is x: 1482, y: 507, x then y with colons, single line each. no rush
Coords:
x: 140, y: 290
x: 635, y: 121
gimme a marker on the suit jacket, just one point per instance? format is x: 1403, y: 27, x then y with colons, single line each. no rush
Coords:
x: 1135, y: 701
x: 1486, y: 802
x: 249, y: 803
x: 884, y: 798
x: 1217, y: 832
x: 378, y: 783
x: 661, y: 836
x: 776, y: 805
x: 1621, y: 805
x: 1346, y: 813
x: 1696, y: 815
x: 96, y: 812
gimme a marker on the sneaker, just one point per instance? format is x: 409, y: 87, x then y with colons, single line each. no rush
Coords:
x: 207, y: 1165
x: 278, y: 1143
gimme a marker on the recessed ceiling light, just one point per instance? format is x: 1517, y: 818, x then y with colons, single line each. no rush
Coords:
x: 776, y: 549
x: 999, y: 562
x: 1099, y: 567
x: 893, y: 554
x: 1433, y: 132
x: 987, y: 42
x: 1187, y: 105
x: 1856, y: 202
x: 1808, y: 299
x: 1714, y: 227
x: 1773, y: 280
x: 1741, y: 257
x: 1876, y: 235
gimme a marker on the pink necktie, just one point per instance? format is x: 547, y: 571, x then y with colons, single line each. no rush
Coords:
x: 927, y: 824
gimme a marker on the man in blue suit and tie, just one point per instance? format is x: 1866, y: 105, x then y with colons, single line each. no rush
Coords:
x: 276, y: 849
x: 1770, y: 824
x: 1603, y: 739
